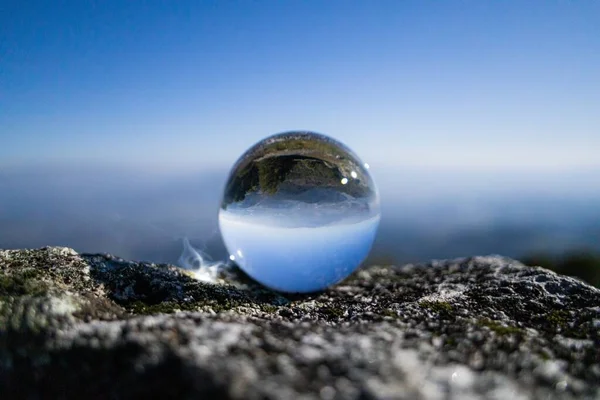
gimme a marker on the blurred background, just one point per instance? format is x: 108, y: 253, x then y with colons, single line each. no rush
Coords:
x: 119, y: 121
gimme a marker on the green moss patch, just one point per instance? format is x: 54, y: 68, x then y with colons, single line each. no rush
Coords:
x: 499, y: 328
x: 440, y: 307
x: 331, y: 312
x: 386, y: 312
x: 26, y: 282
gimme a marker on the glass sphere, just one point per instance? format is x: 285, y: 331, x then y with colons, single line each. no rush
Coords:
x: 299, y: 212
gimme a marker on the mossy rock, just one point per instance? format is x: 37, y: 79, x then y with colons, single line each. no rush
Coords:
x: 79, y: 326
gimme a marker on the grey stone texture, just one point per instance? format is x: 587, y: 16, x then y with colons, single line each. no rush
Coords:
x: 97, y: 326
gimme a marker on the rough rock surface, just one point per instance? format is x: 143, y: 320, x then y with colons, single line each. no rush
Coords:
x: 96, y: 326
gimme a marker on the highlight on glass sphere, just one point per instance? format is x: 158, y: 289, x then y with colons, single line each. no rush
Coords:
x: 299, y: 212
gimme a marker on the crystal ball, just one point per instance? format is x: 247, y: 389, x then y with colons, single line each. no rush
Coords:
x: 299, y: 212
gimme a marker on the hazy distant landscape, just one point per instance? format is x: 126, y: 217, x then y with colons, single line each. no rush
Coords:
x: 425, y: 214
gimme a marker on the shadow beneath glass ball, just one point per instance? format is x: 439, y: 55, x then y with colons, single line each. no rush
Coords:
x: 251, y: 284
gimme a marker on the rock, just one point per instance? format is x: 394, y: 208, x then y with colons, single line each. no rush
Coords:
x: 96, y: 326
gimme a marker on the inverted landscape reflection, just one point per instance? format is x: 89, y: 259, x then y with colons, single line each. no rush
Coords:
x: 300, y: 212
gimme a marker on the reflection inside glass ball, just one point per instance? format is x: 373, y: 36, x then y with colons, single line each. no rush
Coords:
x: 300, y: 212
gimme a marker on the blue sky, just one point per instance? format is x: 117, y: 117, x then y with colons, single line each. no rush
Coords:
x: 192, y: 84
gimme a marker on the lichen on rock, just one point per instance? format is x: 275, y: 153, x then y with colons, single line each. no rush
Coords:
x: 75, y: 325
